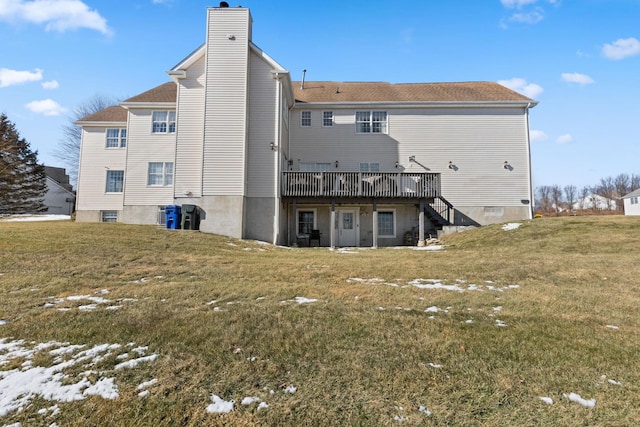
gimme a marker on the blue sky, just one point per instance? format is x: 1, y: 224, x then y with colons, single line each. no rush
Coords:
x: 579, y: 58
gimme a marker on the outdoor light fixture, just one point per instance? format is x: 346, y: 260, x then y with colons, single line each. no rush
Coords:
x: 397, y: 164
x: 452, y: 166
x: 337, y: 163
x: 272, y: 145
x: 507, y: 166
x: 412, y: 158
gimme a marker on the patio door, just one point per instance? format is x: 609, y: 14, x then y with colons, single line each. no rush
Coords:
x: 348, y: 227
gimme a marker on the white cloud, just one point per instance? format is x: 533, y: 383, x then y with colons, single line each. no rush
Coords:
x: 564, y: 139
x: 582, y: 79
x: 516, y: 3
x: 621, y: 48
x: 538, y: 135
x: 47, y: 107
x: 14, y: 77
x: 527, y: 18
x: 53, y: 84
x: 520, y: 85
x: 56, y: 15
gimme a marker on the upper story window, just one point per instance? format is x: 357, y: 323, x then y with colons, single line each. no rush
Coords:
x: 369, y: 167
x: 164, y: 122
x: 371, y: 122
x: 160, y: 174
x: 305, y: 119
x: 115, y: 181
x: 327, y: 118
x: 314, y: 167
x: 634, y: 200
x: 116, y: 138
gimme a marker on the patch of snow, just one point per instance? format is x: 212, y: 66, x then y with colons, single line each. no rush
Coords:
x: 424, y: 411
x: 290, y: 389
x: 3, y: 322
x: 574, y: 397
x: 469, y: 321
x: 301, y: 300
x: 433, y: 365
x: 249, y: 400
x: 144, y: 393
x: 146, y: 384
x: 511, y: 226
x: 432, y: 309
x: 547, y: 400
x: 427, y: 248
x: 104, y: 387
x: 614, y: 382
x: 219, y: 406
x: 33, y: 218
x: 135, y: 362
x: 615, y: 328
x: 262, y: 405
x: 501, y: 324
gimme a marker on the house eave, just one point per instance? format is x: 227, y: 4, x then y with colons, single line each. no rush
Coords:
x: 149, y: 105
x: 421, y: 104
x: 100, y: 123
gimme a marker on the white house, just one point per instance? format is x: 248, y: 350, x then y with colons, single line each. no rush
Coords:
x: 263, y: 157
x: 59, y: 197
x: 631, y: 205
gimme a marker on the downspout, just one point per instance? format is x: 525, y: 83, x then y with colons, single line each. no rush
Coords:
x: 276, y: 202
x: 531, y: 201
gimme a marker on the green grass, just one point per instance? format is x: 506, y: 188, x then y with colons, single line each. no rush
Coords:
x: 359, y: 353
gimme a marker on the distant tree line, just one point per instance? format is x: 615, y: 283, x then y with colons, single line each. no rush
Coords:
x: 606, y: 196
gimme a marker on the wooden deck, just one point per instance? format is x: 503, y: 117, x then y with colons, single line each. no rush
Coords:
x: 361, y: 184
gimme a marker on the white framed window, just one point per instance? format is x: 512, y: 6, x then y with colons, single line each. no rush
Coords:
x: 314, y: 167
x: 634, y: 200
x: 160, y: 174
x: 163, y: 122
x: 115, y: 181
x: 116, y: 138
x: 306, y: 221
x: 327, y: 118
x: 369, y: 167
x: 387, y: 223
x: 371, y: 122
x: 305, y: 119
x: 109, y: 216
x: 162, y: 216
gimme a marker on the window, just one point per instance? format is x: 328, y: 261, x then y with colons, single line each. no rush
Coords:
x: 369, y: 167
x: 109, y: 216
x: 386, y: 224
x: 305, y: 119
x: 314, y: 167
x: 634, y: 200
x: 327, y: 118
x: 115, y: 181
x: 116, y: 138
x: 162, y: 216
x: 371, y: 122
x: 160, y: 174
x: 306, y: 221
x: 164, y: 122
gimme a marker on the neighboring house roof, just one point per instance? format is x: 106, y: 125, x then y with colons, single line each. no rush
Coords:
x: 635, y: 193
x: 166, y: 92
x: 337, y: 92
x: 59, y: 175
x: 109, y: 114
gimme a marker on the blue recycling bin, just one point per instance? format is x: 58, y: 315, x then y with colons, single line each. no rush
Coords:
x: 172, y: 214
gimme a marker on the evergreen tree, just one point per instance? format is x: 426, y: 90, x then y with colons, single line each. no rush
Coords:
x: 23, y: 182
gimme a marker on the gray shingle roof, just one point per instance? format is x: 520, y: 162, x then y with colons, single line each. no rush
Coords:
x: 109, y: 114
x: 166, y: 92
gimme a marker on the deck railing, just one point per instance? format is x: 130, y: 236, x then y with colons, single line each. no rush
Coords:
x: 360, y: 184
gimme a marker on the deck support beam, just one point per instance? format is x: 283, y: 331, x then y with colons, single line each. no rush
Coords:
x: 332, y: 233
x: 421, y: 241
x: 375, y: 224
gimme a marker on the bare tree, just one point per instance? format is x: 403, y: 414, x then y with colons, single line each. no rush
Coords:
x: 68, y: 150
x: 570, y: 194
x: 543, y: 199
x: 556, y: 197
x: 622, y: 184
x: 607, y: 189
x: 584, y: 194
x: 634, y: 182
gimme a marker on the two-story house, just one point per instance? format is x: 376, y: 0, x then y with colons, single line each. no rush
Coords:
x: 264, y: 157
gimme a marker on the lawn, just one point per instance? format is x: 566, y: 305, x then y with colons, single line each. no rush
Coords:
x: 122, y: 325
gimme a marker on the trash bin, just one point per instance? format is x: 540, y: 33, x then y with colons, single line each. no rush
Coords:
x: 172, y: 216
x: 190, y: 217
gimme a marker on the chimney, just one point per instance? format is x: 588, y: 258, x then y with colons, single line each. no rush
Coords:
x: 304, y: 72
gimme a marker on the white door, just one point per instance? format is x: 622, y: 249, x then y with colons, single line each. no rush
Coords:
x: 348, y: 227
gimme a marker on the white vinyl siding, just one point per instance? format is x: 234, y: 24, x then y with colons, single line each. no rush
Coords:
x: 95, y: 158
x: 477, y: 141
x: 226, y: 100
x: 188, y: 163
x: 144, y: 148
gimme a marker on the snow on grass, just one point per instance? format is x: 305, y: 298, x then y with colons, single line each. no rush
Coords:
x: 33, y: 218
x: 511, y: 226
x: 547, y: 400
x: 460, y: 285
x: 300, y: 300
x: 615, y: 328
x: 20, y: 386
x: 219, y: 405
x: 574, y: 397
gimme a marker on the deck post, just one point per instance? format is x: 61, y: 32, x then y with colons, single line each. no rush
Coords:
x: 294, y: 236
x: 375, y: 224
x: 332, y: 233
x: 421, y: 241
